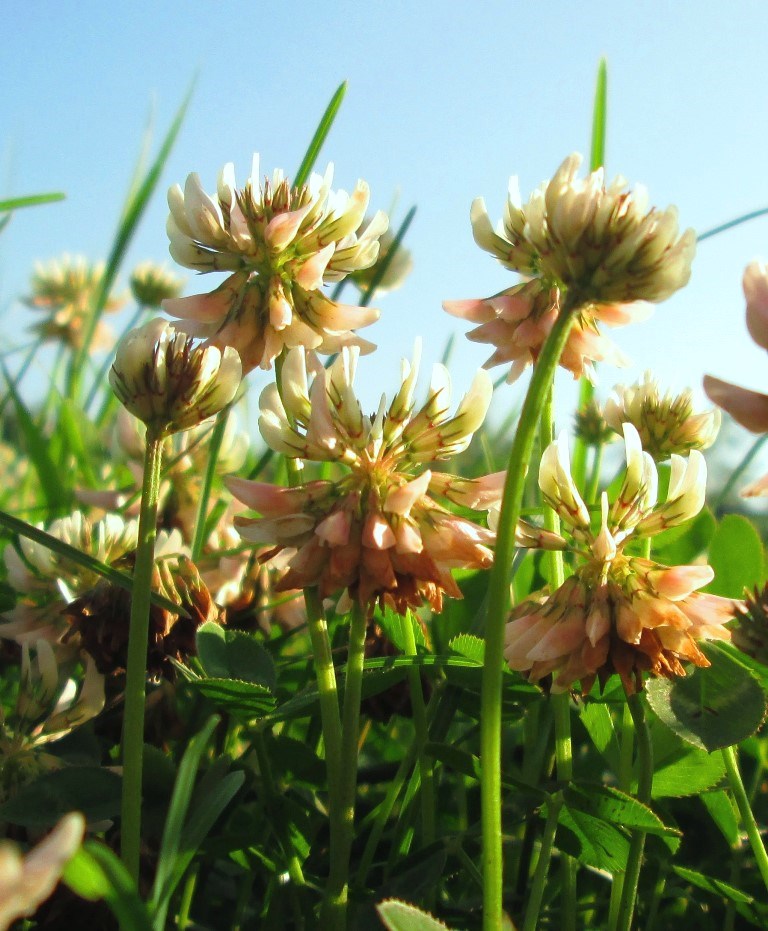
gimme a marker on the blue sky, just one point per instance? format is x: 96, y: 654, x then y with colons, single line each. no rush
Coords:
x: 445, y: 101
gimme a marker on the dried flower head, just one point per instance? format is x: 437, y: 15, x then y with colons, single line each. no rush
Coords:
x: 601, y: 244
x: 171, y: 382
x: 100, y: 618
x: 281, y: 244
x: 151, y: 284
x: 748, y: 408
x: 26, y: 881
x: 376, y: 532
x: 665, y: 422
x: 591, y: 426
x: 619, y: 612
x: 64, y: 290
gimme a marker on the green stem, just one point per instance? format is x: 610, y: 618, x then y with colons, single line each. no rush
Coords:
x: 426, y: 765
x: 753, y: 450
x: 205, y: 492
x: 334, y: 912
x: 498, y: 604
x: 136, y: 667
x: 531, y: 921
x: 187, y: 895
x: 644, y: 786
x: 594, y: 478
x: 331, y: 721
x: 745, y: 812
x: 626, y: 754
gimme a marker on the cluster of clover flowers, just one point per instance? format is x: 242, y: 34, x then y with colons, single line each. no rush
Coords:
x: 378, y: 532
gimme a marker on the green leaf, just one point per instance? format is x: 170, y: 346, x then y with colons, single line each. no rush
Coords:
x: 66, y: 551
x: 598, y: 723
x: 81, y: 437
x: 53, y: 485
x: 680, y: 545
x: 392, y: 624
x: 617, y: 808
x: 473, y: 648
x: 680, y: 769
x: 96, y: 873
x: 723, y: 812
x: 400, y: 916
x: 714, y: 707
x: 321, y: 133
x: 234, y: 654
x: 31, y: 200
x: 736, y: 554
x: 716, y: 886
x: 599, y: 117
x: 244, y: 699
x: 41, y: 803
x: 600, y: 845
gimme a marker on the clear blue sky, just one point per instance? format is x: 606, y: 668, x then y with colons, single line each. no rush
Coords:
x: 445, y: 101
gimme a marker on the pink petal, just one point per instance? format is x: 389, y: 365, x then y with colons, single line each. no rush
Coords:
x: 310, y: 275
x: 679, y: 581
x: 562, y: 638
x: 334, y: 530
x: 476, y: 311
x: 401, y: 500
x: 377, y: 534
x: 281, y: 229
x: 755, y: 284
x: 756, y: 489
x: 749, y: 408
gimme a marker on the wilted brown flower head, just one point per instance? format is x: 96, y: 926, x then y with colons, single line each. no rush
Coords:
x: 281, y: 243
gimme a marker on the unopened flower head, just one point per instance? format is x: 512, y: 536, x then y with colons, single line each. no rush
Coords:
x: 591, y: 426
x: 151, y: 284
x: 748, y: 408
x: 377, y: 532
x: 64, y: 289
x: 281, y: 244
x: 169, y: 380
x: 750, y: 630
x: 619, y: 612
x: 666, y: 423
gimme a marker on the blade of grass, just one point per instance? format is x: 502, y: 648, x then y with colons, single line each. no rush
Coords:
x: 388, y: 258
x: 57, y: 496
x: 170, y: 844
x: 23, y: 529
x: 205, y: 492
x: 321, y: 133
x: 744, y: 218
x: 596, y: 160
x: 30, y: 200
x: 129, y: 222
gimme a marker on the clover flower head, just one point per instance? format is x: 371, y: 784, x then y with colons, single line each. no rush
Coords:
x: 666, y: 422
x: 619, y: 612
x: 376, y: 532
x: 591, y: 426
x: 280, y: 244
x: 64, y: 290
x: 170, y: 381
x: 748, y: 408
x: 26, y: 881
x: 151, y: 284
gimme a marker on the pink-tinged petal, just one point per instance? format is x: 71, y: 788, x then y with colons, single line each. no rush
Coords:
x: 401, y: 500
x: 521, y: 636
x: 679, y: 581
x: 756, y: 489
x: 334, y: 530
x: 749, y: 408
x: 621, y: 314
x: 678, y: 641
x: 511, y: 307
x: 408, y: 538
x: 628, y: 625
x: 562, y: 638
x: 598, y: 621
x: 659, y: 612
x: 704, y: 609
x: 310, y: 275
x: 377, y: 534
x: 755, y: 284
x: 478, y: 493
x: 208, y: 308
x: 340, y: 317
x: 273, y: 500
x: 476, y: 311
x: 281, y: 229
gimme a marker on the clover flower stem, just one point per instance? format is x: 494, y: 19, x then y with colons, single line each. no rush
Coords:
x: 343, y: 819
x: 594, y: 478
x: 214, y: 447
x: 136, y: 667
x: 644, y: 786
x: 420, y: 722
x: 745, y: 811
x: 498, y: 606
x: 531, y: 920
x: 579, y: 463
x: 626, y: 754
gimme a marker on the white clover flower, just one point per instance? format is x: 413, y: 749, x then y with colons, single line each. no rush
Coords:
x: 281, y: 244
x: 171, y: 382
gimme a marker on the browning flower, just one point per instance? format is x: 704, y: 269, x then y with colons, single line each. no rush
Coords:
x: 666, y: 423
x: 601, y: 244
x: 619, y: 612
x: 171, y: 382
x: 280, y: 244
x: 748, y: 408
x: 64, y: 290
x: 376, y: 532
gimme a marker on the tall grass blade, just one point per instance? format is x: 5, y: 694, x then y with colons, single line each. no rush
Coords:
x: 388, y: 258
x: 31, y: 200
x: 321, y: 133
x: 129, y: 222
